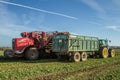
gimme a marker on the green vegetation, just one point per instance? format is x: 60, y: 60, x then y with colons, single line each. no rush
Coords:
x: 114, y: 74
x: 1, y: 53
x: 20, y: 69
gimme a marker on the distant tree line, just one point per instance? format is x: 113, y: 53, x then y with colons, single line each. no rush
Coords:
x: 4, y: 48
x: 115, y: 47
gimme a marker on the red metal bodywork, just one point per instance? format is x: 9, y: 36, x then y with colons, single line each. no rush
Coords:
x: 21, y: 43
x: 38, y: 39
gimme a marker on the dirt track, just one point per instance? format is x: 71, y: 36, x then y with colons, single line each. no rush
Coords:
x: 84, y: 74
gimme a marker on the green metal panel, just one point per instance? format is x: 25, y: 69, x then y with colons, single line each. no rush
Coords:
x: 84, y: 43
x: 80, y: 44
x: 88, y: 45
x: 75, y: 43
x: 60, y: 43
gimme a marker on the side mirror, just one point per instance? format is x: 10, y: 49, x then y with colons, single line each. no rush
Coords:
x: 110, y: 41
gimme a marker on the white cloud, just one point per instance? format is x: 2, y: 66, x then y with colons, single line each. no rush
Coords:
x: 14, y: 30
x: 97, y: 7
x: 12, y: 24
x: 94, y: 5
x: 115, y: 28
x: 95, y: 23
x: 40, y: 10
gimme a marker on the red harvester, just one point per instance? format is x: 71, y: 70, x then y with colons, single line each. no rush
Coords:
x: 31, y: 45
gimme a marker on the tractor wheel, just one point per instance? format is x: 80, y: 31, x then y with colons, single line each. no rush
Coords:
x: 112, y: 53
x: 104, y: 53
x: 75, y: 57
x: 83, y: 56
x: 8, y: 53
x: 32, y: 54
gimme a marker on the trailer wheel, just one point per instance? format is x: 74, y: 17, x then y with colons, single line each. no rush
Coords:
x: 75, y: 57
x: 8, y: 53
x: 112, y: 53
x: 83, y: 56
x: 104, y: 53
x: 32, y: 54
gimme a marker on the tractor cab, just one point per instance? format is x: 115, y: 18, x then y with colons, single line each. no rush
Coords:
x: 105, y: 49
x: 104, y: 43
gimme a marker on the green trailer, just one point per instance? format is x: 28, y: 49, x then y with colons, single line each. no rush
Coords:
x: 76, y: 47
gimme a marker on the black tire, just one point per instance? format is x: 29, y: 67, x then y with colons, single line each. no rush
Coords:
x: 112, y: 53
x: 32, y: 54
x: 59, y: 57
x: 83, y: 56
x: 8, y: 53
x: 75, y: 57
x: 62, y: 57
x: 104, y: 53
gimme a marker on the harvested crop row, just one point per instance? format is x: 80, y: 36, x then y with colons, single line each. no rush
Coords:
x: 21, y: 69
x: 86, y: 73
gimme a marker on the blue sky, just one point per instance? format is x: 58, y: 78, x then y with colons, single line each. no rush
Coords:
x: 98, y: 18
